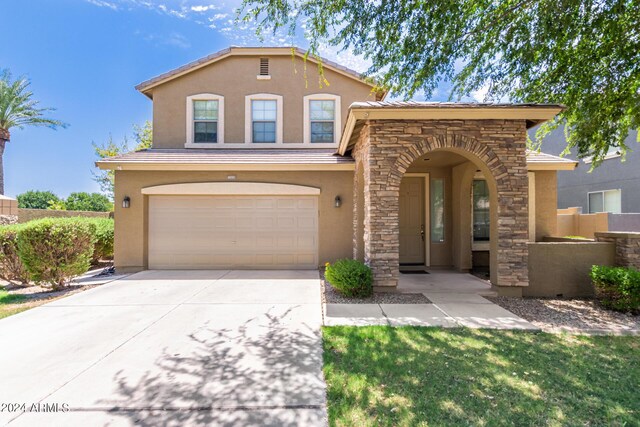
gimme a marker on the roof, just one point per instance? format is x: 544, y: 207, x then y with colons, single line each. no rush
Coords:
x: 145, y: 86
x: 269, y: 159
x: 359, y: 112
x: 539, y: 160
x: 446, y: 105
x: 226, y: 159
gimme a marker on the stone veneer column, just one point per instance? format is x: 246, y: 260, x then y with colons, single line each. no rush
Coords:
x: 388, y: 147
x: 627, y: 247
x: 358, y: 211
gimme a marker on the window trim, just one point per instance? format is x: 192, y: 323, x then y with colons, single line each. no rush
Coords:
x: 190, y: 143
x: 248, y: 117
x: 589, y: 193
x: 337, y: 125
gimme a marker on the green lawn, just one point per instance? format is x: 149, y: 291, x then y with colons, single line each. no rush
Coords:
x: 427, y: 376
x: 10, y: 304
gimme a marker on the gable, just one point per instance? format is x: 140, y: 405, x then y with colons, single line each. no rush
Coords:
x: 295, y: 57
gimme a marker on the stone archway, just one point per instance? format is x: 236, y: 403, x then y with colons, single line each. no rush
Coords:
x: 498, y: 147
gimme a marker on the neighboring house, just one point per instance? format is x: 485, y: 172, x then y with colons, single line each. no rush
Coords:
x: 255, y: 164
x: 614, y: 186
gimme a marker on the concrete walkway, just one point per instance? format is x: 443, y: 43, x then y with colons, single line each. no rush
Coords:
x: 171, y: 348
x: 456, y: 301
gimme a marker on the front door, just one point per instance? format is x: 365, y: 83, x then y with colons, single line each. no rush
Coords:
x: 412, y: 221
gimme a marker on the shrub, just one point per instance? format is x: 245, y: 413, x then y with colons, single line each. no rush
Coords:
x: 350, y: 277
x: 54, y: 250
x: 103, y: 248
x: 11, y: 267
x: 617, y: 288
x: 36, y: 199
x: 94, y: 202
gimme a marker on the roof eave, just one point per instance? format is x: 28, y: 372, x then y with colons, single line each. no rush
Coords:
x: 552, y: 166
x: 192, y: 166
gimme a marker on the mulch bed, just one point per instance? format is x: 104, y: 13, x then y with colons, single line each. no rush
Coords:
x: 331, y: 296
x: 571, y: 315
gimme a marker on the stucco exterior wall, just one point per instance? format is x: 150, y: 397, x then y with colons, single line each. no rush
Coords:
x: 612, y: 174
x: 234, y: 78
x: 562, y: 269
x: 546, y: 202
x: 334, y: 227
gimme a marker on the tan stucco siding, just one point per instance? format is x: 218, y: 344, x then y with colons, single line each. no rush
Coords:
x: 234, y: 78
x: 546, y: 204
x: 335, y: 224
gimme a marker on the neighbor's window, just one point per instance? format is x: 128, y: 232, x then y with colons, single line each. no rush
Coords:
x: 437, y: 210
x: 205, y: 121
x: 605, y: 201
x: 322, y: 114
x: 264, y: 116
x: 481, y: 213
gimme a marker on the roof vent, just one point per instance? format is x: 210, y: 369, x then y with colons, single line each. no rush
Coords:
x: 264, y: 69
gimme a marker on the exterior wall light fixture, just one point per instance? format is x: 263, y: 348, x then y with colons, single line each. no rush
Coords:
x: 126, y: 202
x: 337, y: 202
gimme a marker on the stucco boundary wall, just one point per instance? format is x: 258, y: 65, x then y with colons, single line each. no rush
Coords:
x: 26, y: 215
x: 561, y: 269
x: 572, y: 222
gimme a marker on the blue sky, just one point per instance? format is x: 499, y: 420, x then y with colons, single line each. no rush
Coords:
x: 84, y: 58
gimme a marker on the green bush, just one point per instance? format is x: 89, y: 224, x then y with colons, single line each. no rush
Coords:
x: 54, y: 250
x: 11, y: 267
x: 94, y: 202
x: 103, y: 249
x: 350, y: 277
x: 36, y: 199
x: 617, y: 288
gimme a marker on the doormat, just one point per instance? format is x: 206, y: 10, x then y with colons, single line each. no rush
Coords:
x: 414, y: 272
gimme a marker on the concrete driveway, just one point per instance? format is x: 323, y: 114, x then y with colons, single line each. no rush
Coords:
x: 170, y: 348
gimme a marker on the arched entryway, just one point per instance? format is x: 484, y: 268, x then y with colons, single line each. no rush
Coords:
x: 445, y: 211
x: 390, y: 148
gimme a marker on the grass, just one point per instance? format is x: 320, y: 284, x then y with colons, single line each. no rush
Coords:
x: 428, y: 376
x: 10, y: 304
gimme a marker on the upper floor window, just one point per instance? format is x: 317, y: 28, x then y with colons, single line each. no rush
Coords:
x: 605, y: 201
x: 205, y: 121
x: 205, y: 124
x: 263, y: 122
x: 321, y: 118
x: 264, y: 114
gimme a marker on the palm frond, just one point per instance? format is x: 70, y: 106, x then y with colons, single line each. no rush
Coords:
x: 18, y: 108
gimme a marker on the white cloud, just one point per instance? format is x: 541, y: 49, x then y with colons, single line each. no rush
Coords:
x: 203, y: 8
x: 102, y: 3
x: 173, y: 39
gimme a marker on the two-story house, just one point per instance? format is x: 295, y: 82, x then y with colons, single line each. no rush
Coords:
x: 259, y: 163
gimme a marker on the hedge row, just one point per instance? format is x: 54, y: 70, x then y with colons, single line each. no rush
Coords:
x: 617, y: 288
x: 51, y: 251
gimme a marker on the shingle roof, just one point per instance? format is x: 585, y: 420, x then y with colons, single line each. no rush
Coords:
x: 198, y: 63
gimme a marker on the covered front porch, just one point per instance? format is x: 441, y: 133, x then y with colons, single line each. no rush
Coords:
x: 443, y: 186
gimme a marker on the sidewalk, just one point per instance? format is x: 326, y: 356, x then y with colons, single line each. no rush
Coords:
x: 449, y: 310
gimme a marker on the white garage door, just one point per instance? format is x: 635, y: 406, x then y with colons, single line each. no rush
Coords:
x: 253, y: 232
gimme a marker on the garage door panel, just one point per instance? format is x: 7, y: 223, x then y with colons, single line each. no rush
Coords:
x: 233, y: 232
